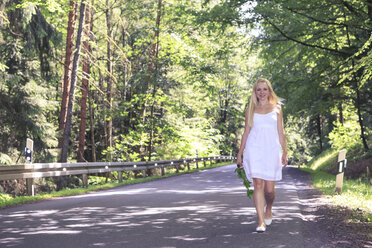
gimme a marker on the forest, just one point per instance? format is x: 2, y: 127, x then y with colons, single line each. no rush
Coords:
x: 143, y: 80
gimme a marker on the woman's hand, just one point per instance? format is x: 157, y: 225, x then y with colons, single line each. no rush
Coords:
x: 284, y: 159
x: 239, y: 160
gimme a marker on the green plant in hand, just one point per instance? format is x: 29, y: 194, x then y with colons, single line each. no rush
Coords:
x: 247, y: 184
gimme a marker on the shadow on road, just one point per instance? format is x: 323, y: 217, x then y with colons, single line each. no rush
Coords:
x: 204, y: 209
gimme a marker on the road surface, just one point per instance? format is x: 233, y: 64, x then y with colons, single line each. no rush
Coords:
x: 206, y: 209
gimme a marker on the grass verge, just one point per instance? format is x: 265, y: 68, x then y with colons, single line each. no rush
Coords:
x: 323, y: 160
x: 356, y: 194
x: 7, y: 200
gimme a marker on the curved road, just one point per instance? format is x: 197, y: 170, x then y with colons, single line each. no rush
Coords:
x: 206, y: 209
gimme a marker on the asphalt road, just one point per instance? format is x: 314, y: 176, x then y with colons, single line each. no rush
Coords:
x: 206, y: 209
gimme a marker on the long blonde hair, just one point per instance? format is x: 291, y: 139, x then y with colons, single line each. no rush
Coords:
x: 273, y: 99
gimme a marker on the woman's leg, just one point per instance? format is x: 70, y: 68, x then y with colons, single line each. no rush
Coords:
x: 269, y: 198
x: 259, y: 199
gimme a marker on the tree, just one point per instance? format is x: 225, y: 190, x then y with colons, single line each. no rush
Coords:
x: 27, y: 82
x: 67, y: 131
x: 322, y: 37
x: 85, y: 84
x: 67, y: 69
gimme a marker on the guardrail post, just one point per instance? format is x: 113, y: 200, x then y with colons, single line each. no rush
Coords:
x: 30, y: 186
x: 162, y: 171
x: 85, y: 180
x: 188, y: 165
x: 120, y: 176
x: 342, y: 165
x: 205, y: 165
x: 176, y: 166
x: 197, y: 157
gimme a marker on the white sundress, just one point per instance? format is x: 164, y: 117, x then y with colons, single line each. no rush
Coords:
x: 263, y: 154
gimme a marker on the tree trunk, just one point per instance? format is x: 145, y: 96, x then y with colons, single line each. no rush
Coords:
x: 91, y: 110
x: 341, y: 114
x: 360, y: 118
x: 102, y: 106
x: 319, y: 128
x: 151, y: 125
x: 67, y: 132
x: 153, y: 67
x: 67, y: 65
x: 124, y: 79
x: 109, y: 76
x: 84, y: 87
x: 357, y: 100
x: 91, y: 114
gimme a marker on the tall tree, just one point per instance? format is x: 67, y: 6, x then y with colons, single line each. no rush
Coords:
x: 67, y: 69
x: 109, y: 90
x: 85, y: 84
x: 67, y: 131
x: 153, y: 71
x: 334, y: 32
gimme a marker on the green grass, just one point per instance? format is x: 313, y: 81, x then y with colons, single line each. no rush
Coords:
x: 323, y: 160
x: 356, y: 194
x: 7, y: 200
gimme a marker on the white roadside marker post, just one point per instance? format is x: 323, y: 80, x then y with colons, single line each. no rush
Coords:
x: 28, y: 154
x: 341, y: 168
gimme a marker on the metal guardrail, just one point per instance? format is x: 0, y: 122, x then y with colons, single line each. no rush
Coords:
x: 39, y: 170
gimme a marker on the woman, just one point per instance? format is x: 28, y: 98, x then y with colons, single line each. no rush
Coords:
x: 264, y: 146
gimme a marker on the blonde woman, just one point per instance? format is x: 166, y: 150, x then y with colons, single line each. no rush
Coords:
x: 264, y: 146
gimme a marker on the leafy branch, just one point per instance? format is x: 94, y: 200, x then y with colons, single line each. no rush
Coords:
x: 247, y: 184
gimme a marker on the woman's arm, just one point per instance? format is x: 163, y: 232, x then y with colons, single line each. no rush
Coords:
x: 282, y: 138
x: 247, y: 130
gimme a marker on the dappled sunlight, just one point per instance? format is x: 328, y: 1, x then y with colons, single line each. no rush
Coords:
x: 52, y: 232
x: 186, y: 238
x: 113, y: 193
x: 169, y: 212
x: 32, y: 213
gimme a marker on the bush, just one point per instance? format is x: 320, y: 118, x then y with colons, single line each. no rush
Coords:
x: 344, y: 136
x: 5, y: 198
x: 5, y: 159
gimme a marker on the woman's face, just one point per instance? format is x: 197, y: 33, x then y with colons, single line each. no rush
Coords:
x: 262, y: 91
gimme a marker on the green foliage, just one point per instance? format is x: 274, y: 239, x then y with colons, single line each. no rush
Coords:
x: 4, y: 198
x: 347, y: 134
x: 313, y: 61
x: 5, y: 159
x: 344, y: 136
x: 298, y: 144
x: 191, y: 92
x: 323, y: 160
x: 27, y: 89
x: 96, y: 180
x: 241, y: 174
